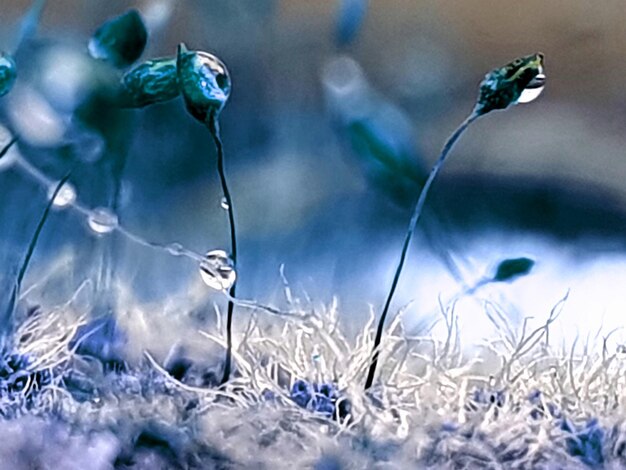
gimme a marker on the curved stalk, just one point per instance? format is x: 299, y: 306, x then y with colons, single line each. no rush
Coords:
x: 417, y: 212
x: 6, y: 323
x: 214, y: 128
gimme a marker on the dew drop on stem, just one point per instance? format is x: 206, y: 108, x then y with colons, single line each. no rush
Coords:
x: 102, y: 221
x: 218, y: 270
x: 66, y: 196
x: 533, y: 90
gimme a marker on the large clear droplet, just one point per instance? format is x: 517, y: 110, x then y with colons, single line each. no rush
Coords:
x: 218, y: 270
x: 65, y: 197
x: 534, y: 89
x: 204, y: 82
x: 102, y: 220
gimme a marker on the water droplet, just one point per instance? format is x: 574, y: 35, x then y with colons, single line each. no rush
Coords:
x: 533, y: 90
x: 7, y: 73
x: 65, y: 197
x: 621, y: 350
x: 204, y: 82
x: 102, y: 220
x: 511, y: 84
x: 218, y: 270
x: 224, y: 204
x: 175, y: 249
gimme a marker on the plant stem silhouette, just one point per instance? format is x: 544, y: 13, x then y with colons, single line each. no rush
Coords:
x: 214, y: 128
x: 417, y: 212
x: 501, y: 88
x: 7, y: 321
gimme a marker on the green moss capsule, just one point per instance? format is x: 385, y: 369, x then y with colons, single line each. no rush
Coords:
x: 8, y: 73
x: 204, y: 82
x: 121, y: 40
x: 512, y: 268
x: 152, y: 81
x: 519, y: 81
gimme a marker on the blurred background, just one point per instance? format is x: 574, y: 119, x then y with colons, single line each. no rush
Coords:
x: 338, y: 110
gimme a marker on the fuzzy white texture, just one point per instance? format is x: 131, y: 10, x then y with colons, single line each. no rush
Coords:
x: 421, y: 411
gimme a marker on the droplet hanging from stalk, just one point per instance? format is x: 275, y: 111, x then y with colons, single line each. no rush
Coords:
x: 518, y: 81
x: 204, y: 82
x: 218, y: 270
x: 102, y: 221
x: 205, y: 85
x: 65, y: 195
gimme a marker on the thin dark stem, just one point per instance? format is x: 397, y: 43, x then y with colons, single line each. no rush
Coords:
x: 8, y: 146
x: 6, y: 324
x: 214, y: 128
x: 419, y: 206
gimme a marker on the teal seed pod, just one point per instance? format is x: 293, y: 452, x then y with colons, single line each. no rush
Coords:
x: 519, y: 81
x: 152, y: 81
x: 121, y: 40
x: 510, y: 269
x: 8, y: 73
x: 204, y: 82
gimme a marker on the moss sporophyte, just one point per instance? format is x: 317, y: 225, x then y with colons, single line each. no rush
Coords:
x: 204, y: 82
x: 121, y: 40
x: 153, y: 81
x: 519, y: 81
x: 205, y: 85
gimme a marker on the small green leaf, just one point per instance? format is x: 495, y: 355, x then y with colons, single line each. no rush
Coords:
x: 505, y: 86
x: 512, y: 268
x: 8, y: 73
x: 152, y: 81
x: 204, y: 82
x: 121, y: 40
